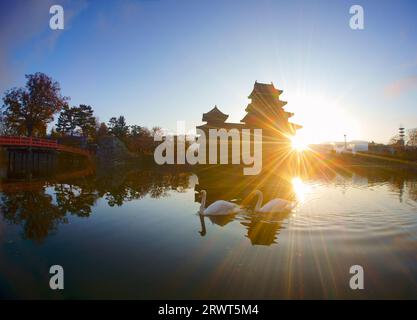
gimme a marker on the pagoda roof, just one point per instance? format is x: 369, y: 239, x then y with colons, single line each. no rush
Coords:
x: 264, y: 89
x: 251, y: 119
x: 267, y: 107
x: 225, y: 125
x: 215, y: 115
x: 274, y: 114
x: 295, y: 125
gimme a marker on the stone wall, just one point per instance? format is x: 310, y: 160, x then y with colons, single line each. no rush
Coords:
x: 112, y: 151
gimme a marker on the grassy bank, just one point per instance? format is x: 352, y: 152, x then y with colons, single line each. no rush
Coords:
x: 371, y: 160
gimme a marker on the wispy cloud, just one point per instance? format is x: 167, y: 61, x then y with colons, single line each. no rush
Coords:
x: 21, y: 21
x: 124, y: 12
x: 401, y: 86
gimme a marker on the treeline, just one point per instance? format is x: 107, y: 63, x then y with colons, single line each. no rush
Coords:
x: 27, y: 111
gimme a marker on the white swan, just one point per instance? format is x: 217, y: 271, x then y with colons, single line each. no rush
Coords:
x: 275, y: 205
x: 217, y: 208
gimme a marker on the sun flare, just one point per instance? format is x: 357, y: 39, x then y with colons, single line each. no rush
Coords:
x: 300, y: 188
x: 299, y: 144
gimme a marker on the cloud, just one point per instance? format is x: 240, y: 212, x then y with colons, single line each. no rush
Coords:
x: 19, y: 21
x: 401, y: 86
x: 22, y: 21
x: 123, y: 12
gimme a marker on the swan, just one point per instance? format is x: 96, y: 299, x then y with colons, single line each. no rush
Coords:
x: 217, y: 208
x: 275, y: 205
x: 203, y: 226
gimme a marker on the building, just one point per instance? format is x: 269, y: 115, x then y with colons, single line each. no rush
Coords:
x: 265, y: 111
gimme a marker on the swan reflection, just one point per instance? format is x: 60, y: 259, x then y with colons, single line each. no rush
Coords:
x: 263, y: 228
x: 262, y: 223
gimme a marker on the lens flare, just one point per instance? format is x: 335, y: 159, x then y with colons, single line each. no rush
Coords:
x: 300, y: 188
x: 299, y: 144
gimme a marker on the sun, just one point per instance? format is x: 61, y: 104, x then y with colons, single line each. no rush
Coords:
x: 300, y: 188
x: 298, y: 143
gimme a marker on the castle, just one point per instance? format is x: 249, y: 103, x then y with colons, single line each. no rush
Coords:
x: 265, y: 111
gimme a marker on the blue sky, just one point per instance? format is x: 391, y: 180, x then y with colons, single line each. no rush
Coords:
x: 160, y: 61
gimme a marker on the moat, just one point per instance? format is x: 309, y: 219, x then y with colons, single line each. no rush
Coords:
x: 135, y: 233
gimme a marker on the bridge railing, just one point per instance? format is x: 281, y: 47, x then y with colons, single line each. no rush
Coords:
x: 41, y: 143
x: 28, y: 142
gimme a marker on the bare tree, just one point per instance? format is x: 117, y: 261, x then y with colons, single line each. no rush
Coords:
x: 394, y: 139
x: 412, y: 137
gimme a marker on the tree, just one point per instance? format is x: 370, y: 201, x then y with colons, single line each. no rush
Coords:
x: 395, y: 139
x: 138, y: 131
x: 412, y: 137
x: 66, y: 121
x: 102, y: 130
x: 118, y: 127
x: 5, y: 128
x: 77, y: 117
x: 85, y: 120
x: 54, y: 134
x: 156, y: 131
x: 28, y: 110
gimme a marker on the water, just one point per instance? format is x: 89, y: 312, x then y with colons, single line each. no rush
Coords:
x: 135, y: 234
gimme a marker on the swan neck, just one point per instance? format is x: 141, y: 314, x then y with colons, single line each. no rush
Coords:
x: 259, y: 202
x: 203, y: 226
x: 203, y: 202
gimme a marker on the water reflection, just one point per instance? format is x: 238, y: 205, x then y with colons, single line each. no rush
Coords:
x: 39, y: 206
x: 301, y: 189
x: 147, y: 221
x: 34, y: 210
x: 262, y: 229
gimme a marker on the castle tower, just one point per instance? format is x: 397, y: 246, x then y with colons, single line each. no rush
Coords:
x: 266, y: 111
x: 215, y: 117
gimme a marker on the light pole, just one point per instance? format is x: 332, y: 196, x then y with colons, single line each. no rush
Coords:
x: 345, y: 143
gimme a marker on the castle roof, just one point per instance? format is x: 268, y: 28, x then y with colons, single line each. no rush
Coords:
x: 264, y: 89
x: 215, y: 115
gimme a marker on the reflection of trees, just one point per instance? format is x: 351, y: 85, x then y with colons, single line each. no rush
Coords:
x: 75, y: 199
x: 412, y: 190
x: 34, y: 210
x: 138, y: 184
x: 401, y: 181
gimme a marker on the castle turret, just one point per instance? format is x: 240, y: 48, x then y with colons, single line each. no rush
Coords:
x: 266, y: 111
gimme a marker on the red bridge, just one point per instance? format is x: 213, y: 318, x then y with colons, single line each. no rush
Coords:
x: 29, y: 142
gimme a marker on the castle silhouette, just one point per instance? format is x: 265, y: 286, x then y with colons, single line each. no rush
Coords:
x: 265, y: 111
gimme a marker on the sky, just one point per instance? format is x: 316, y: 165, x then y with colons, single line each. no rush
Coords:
x: 158, y: 61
